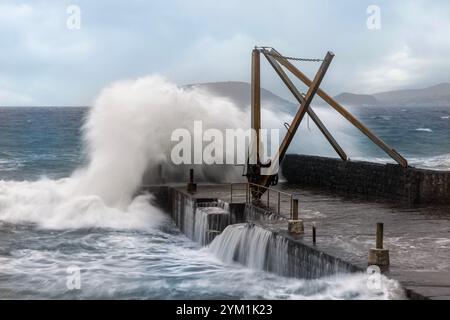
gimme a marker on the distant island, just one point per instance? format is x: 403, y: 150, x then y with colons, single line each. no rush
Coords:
x: 239, y: 93
x: 437, y: 95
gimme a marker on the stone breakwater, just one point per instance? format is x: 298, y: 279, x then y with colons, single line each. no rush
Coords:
x: 411, y: 185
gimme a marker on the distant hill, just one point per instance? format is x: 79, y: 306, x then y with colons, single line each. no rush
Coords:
x: 239, y: 93
x: 437, y: 95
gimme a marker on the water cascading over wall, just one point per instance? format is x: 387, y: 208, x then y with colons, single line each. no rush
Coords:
x: 252, y: 244
x: 200, y: 221
x: 261, y: 249
x: 210, y: 220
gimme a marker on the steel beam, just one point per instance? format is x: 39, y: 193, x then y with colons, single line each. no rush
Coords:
x: 333, y: 103
x: 284, y: 77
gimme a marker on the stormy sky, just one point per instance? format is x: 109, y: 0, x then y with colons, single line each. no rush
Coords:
x: 43, y: 62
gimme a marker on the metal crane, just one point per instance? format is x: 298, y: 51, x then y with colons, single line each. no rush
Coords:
x: 278, y: 61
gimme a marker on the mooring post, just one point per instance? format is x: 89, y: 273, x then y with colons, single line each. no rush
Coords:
x: 160, y: 174
x: 379, y: 239
x: 314, y: 233
x: 247, y: 192
x: 290, y: 207
x: 379, y: 256
x: 295, y: 209
x: 295, y: 226
x: 231, y: 193
x: 279, y: 202
x: 191, y: 186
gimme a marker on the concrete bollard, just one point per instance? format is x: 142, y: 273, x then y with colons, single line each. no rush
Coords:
x: 295, y: 226
x: 191, y: 186
x: 379, y: 256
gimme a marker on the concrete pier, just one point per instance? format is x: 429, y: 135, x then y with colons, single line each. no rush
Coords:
x: 418, y: 238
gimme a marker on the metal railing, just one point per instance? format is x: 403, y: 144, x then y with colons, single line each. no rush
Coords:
x: 252, y: 188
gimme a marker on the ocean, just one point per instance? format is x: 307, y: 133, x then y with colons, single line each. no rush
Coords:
x: 133, y: 251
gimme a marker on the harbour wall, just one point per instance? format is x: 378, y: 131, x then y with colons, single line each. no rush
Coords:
x: 411, y: 185
x: 247, y: 234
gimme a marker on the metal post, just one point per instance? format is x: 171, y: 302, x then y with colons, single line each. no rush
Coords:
x: 290, y: 207
x: 314, y: 233
x: 246, y: 193
x: 231, y: 193
x: 279, y: 202
x: 160, y: 173
x: 268, y: 198
x: 295, y: 210
x: 191, y: 186
x: 379, y: 241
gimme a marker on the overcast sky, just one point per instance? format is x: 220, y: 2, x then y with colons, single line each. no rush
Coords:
x: 42, y: 62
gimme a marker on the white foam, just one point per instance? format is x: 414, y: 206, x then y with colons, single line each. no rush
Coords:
x: 439, y: 162
x: 424, y: 129
x: 50, y: 204
x: 127, y: 129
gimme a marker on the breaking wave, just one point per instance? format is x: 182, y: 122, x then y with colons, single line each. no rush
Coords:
x: 127, y: 130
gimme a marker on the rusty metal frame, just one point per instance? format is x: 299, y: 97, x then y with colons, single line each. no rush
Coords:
x: 339, y: 108
x: 276, y: 60
x: 305, y: 105
x: 290, y: 85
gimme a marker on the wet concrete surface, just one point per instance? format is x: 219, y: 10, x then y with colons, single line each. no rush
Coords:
x: 418, y: 238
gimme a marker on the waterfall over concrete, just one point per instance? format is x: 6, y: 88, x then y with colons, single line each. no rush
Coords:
x: 261, y: 249
x: 200, y: 221
x: 210, y: 219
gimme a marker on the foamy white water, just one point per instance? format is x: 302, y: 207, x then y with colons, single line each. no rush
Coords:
x: 440, y: 162
x: 127, y: 131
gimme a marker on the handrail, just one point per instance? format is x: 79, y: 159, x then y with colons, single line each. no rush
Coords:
x: 248, y: 194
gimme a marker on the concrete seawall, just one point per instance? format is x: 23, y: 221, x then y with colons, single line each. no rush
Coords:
x: 281, y: 253
x: 411, y: 185
x: 257, y: 236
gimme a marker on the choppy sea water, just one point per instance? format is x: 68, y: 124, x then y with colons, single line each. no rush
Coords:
x: 37, y: 259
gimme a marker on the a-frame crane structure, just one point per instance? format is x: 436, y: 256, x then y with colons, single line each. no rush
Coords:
x: 281, y: 63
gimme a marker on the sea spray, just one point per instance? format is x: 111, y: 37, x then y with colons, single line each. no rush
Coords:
x: 127, y: 138
x: 127, y: 132
x: 129, y: 129
x: 47, y: 204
